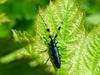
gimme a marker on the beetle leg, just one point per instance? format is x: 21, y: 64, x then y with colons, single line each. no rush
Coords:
x: 43, y: 51
x: 47, y: 60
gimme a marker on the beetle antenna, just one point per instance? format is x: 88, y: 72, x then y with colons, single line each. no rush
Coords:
x: 48, y: 30
x: 57, y: 32
x: 43, y: 20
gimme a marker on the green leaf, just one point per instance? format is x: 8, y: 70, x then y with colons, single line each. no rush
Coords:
x: 67, y: 15
x: 91, y: 52
x: 79, y: 50
x: 5, y: 26
x: 5, y: 31
x: 94, y: 19
x: 19, y: 9
x: 72, y: 39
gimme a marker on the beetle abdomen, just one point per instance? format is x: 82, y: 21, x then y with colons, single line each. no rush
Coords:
x: 56, y: 57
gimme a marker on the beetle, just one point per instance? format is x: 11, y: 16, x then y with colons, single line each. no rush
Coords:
x: 54, y: 51
x: 53, y: 46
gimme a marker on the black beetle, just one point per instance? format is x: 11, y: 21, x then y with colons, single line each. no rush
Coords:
x: 53, y: 47
x: 55, y: 53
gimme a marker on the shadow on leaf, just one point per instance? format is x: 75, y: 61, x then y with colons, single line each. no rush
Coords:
x: 8, y: 46
x: 21, y: 67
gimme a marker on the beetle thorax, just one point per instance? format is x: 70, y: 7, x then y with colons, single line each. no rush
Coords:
x: 53, y: 43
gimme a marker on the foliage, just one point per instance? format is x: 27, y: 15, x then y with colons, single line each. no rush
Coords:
x: 92, y: 10
x: 20, y: 13
x: 80, y: 50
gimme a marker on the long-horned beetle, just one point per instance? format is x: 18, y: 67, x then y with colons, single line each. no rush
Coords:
x: 53, y: 46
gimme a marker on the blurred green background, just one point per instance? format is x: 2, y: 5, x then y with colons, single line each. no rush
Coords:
x: 19, y: 15
x: 16, y: 13
x: 92, y: 11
